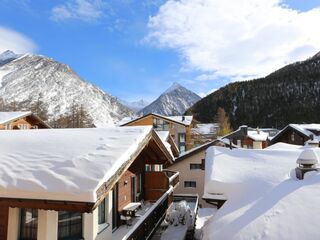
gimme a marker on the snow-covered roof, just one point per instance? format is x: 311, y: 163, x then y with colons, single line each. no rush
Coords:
x: 265, y: 199
x: 163, y: 135
x: 10, y: 116
x: 258, y: 135
x: 186, y: 120
x: 205, y: 128
x: 65, y: 164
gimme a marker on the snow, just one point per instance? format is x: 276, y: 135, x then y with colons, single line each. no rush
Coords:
x: 186, y: 120
x: 258, y: 135
x: 9, y: 116
x: 163, y: 135
x: 204, y: 214
x: 281, y: 146
x: 8, y: 55
x: 64, y: 164
x: 265, y: 199
x: 206, y: 128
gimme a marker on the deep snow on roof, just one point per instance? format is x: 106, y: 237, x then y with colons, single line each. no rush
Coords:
x: 265, y: 200
x: 9, y: 116
x: 186, y: 120
x: 257, y: 135
x: 64, y: 164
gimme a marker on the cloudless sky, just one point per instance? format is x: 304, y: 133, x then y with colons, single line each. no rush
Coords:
x: 110, y: 50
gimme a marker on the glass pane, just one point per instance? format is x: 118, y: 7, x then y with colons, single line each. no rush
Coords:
x: 102, y: 212
x: 29, y: 224
x: 69, y: 225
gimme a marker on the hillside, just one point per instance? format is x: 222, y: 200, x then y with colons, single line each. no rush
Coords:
x: 29, y: 80
x: 289, y: 95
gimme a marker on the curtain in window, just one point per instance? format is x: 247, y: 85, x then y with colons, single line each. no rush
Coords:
x: 69, y: 225
x: 29, y: 224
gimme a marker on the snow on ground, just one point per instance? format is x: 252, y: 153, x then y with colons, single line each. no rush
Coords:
x: 9, y: 116
x: 265, y: 200
x: 64, y: 164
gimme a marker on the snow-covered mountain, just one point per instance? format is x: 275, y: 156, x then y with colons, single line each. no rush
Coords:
x: 174, y: 101
x: 135, y: 105
x: 29, y: 78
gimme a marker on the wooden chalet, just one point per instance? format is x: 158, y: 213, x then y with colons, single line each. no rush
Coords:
x: 84, y: 183
x: 178, y: 126
x: 248, y: 138
x: 21, y: 121
x: 297, y: 134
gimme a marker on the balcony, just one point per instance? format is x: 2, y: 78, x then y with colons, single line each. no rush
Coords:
x: 158, y: 196
x: 157, y: 183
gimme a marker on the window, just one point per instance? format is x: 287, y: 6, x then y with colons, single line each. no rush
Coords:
x: 190, y: 184
x: 194, y: 166
x: 8, y: 126
x: 23, y: 126
x: 161, y: 125
x: 69, y: 225
x: 29, y: 224
x: 102, y: 212
x: 182, y: 142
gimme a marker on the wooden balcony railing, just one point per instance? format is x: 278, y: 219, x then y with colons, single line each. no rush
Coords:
x: 151, y: 220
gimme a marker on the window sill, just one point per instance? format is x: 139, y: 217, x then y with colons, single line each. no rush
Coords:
x: 102, y: 227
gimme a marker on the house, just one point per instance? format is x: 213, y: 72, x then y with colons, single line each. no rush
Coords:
x: 248, y: 138
x: 204, y: 132
x: 105, y: 183
x: 178, y: 126
x: 20, y: 120
x: 190, y: 166
x: 264, y: 196
x: 297, y: 134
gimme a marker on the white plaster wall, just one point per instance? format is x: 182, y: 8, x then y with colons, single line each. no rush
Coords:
x: 257, y: 145
x: 13, y: 223
x: 183, y: 167
x: 47, y: 225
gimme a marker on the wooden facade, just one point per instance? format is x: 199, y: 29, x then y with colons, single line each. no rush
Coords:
x: 26, y: 121
x: 291, y: 136
x: 175, y: 128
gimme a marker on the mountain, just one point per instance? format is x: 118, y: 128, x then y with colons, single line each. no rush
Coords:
x: 288, y: 95
x: 174, y: 101
x: 136, y: 105
x: 28, y: 80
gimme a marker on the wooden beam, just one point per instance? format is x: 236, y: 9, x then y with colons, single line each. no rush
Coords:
x: 47, y: 205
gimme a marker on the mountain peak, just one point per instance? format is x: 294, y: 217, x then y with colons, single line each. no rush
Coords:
x: 173, y: 87
x: 8, y: 54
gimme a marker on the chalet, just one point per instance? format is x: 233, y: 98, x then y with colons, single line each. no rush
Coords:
x: 179, y: 127
x: 190, y: 166
x: 204, y: 133
x: 248, y: 138
x: 266, y: 195
x: 20, y: 120
x: 297, y: 134
x: 105, y: 183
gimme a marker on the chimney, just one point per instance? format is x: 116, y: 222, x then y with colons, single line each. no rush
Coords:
x: 183, y: 118
x: 244, y: 130
x: 307, y: 161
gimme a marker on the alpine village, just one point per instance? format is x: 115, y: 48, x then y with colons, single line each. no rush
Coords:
x: 241, y: 162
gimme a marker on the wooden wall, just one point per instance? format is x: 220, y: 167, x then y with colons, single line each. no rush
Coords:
x: 4, y: 214
x: 29, y: 121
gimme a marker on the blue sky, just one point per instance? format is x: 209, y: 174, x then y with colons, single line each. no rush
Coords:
x: 133, y: 49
